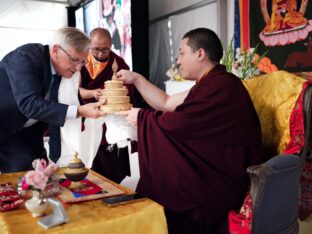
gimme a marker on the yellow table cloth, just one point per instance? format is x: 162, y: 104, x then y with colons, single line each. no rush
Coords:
x: 89, y: 217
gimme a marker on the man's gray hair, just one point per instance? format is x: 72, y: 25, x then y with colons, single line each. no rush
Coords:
x: 70, y: 37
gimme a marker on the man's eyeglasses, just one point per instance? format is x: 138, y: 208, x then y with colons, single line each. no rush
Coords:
x: 98, y: 50
x: 74, y: 60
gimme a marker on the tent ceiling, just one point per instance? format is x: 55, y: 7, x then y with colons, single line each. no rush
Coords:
x: 54, y: 1
x: 66, y: 2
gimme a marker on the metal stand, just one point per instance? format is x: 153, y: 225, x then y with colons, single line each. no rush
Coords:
x: 58, y: 217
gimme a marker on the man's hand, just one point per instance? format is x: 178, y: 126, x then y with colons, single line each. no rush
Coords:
x: 131, y: 116
x: 97, y: 93
x: 91, y: 110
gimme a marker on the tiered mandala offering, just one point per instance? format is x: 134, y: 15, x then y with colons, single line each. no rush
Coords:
x: 116, y: 94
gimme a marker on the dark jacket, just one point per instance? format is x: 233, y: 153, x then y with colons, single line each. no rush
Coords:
x: 25, y: 76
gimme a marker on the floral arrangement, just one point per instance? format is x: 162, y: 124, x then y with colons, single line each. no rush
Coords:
x: 38, y: 178
x: 174, y: 74
x: 246, y: 62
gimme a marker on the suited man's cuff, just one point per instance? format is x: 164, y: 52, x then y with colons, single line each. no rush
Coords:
x: 71, y: 112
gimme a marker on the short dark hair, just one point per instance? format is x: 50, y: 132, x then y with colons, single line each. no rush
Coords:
x: 206, y: 39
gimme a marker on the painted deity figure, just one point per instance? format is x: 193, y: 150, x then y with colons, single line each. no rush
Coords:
x: 286, y: 23
x: 284, y: 16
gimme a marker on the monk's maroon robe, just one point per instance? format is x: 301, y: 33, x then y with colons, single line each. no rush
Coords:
x: 195, y: 158
x: 113, y: 164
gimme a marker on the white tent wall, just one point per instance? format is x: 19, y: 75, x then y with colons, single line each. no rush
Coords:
x: 182, y: 23
x: 158, y: 8
x: 165, y: 37
x: 29, y: 21
x: 224, y: 11
x: 170, y: 20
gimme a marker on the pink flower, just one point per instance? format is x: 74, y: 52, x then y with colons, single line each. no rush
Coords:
x: 36, y: 179
x: 40, y: 165
x: 49, y: 170
x: 25, y: 186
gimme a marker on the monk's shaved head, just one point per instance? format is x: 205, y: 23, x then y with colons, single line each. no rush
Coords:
x: 100, y: 33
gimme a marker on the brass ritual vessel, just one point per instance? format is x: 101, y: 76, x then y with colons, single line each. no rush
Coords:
x: 76, y: 172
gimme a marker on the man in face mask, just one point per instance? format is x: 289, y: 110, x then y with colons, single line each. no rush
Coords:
x: 112, y: 164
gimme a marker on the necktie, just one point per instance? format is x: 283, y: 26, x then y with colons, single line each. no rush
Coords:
x: 54, y: 131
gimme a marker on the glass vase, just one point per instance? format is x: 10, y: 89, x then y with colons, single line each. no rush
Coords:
x: 52, y: 188
x: 36, y: 205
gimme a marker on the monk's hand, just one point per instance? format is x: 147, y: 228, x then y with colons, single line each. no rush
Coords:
x: 127, y: 76
x: 130, y: 115
x: 91, y: 110
x: 97, y: 93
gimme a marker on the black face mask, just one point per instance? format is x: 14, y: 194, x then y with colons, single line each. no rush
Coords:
x: 101, y: 60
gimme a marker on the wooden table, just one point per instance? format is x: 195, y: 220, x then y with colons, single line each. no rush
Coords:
x: 89, y: 217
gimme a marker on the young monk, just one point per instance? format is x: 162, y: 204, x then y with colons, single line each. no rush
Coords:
x: 195, y: 146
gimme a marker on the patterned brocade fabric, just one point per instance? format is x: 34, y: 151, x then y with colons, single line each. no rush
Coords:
x: 240, y: 222
x: 9, y: 198
x: 268, y: 93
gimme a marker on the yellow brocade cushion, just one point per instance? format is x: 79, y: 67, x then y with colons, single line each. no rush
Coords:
x: 274, y: 96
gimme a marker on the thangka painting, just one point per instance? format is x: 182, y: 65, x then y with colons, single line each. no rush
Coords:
x: 283, y: 27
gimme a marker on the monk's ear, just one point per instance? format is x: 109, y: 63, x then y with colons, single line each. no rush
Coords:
x: 202, y: 54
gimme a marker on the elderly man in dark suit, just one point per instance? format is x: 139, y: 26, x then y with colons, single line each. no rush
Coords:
x: 29, y: 81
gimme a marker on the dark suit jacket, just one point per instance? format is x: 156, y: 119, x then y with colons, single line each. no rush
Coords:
x: 25, y: 77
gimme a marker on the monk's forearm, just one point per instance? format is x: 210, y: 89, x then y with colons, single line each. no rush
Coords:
x: 85, y: 93
x: 153, y: 95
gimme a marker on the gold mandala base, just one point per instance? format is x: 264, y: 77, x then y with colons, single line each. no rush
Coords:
x: 115, y: 108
